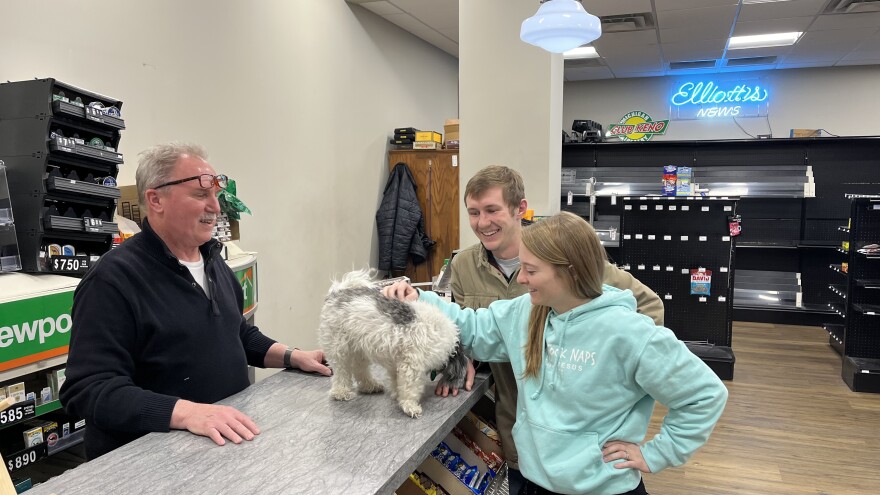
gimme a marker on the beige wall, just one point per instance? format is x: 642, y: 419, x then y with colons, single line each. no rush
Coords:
x: 293, y: 99
x: 511, y: 103
x: 842, y: 100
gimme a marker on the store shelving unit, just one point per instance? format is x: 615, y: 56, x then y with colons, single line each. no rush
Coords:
x: 857, y: 298
x: 60, y: 145
x: 663, y: 240
x: 791, y: 202
x: 9, y: 258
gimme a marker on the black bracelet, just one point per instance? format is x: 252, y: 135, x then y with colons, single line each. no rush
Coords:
x: 287, y: 354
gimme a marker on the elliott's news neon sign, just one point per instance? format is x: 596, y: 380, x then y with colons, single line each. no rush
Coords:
x: 716, y: 101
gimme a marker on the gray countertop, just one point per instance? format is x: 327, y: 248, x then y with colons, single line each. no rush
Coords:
x: 309, y: 444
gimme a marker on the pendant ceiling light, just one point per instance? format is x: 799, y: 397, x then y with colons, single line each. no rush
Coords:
x: 560, y: 25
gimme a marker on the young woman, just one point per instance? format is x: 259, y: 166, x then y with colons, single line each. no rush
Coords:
x: 588, y: 369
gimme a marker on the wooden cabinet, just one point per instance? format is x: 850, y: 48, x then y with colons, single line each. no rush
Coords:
x: 436, y: 175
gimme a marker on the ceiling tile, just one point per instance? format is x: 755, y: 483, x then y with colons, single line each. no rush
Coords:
x: 381, y: 7
x: 705, y: 50
x: 407, y: 22
x: 451, y: 33
x: 618, y: 7
x: 633, y: 38
x: 693, y: 34
x: 871, y: 42
x: 801, y: 65
x: 719, y: 18
x: 831, y: 52
x: 857, y: 62
x: 635, y: 60
x: 690, y: 4
x: 657, y: 73
x: 776, y: 10
x: 863, y: 55
x: 626, y: 51
x: 767, y: 26
x: 847, y: 21
x: 857, y: 36
x: 588, y: 73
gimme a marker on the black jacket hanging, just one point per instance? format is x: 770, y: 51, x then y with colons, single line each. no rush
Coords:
x: 401, y: 223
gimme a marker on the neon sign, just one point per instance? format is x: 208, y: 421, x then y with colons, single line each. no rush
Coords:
x: 707, y: 99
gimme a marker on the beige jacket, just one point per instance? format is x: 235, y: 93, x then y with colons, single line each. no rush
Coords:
x: 476, y: 284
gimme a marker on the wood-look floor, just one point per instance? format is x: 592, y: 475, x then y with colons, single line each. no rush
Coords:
x: 791, y: 425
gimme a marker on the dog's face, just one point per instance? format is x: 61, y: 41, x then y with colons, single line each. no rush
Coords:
x: 455, y: 371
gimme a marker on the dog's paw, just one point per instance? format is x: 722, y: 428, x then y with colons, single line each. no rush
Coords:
x: 370, y: 388
x: 412, y: 408
x: 343, y: 394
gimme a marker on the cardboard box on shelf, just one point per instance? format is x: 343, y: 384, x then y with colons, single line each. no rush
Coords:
x: 795, y: 133
x: 429, y: 136
x: 426, y: 145
x: 450, y: 130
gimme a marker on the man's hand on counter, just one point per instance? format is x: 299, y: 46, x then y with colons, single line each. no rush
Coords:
x: 213, y: 421
x: 311, y: 361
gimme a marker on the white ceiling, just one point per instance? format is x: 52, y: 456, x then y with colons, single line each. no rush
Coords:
x: 685, y: 31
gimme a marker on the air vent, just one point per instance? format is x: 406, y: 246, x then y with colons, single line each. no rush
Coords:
x: 739, y: 62
x: 580, y: 63
x: 851, y: 6
x: 693, y: 64
x: 624, y: 23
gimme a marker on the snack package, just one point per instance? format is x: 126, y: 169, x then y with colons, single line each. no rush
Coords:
x: 670, y: 176
x: 683, y: 179
x: 701, y: 281
x: 734, y: 222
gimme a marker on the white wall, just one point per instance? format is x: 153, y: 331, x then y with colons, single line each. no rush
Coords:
x: 842, y: 100
x: 294, y: 99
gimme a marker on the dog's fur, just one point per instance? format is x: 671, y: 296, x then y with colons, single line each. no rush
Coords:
x: 409, y: 339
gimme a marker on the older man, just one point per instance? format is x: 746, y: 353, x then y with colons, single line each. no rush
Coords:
x: 158, y: 333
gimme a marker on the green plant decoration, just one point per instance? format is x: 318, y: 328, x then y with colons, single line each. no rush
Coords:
x: 229, y: 202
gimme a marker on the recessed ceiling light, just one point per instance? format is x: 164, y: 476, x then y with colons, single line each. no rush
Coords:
x: 763, y: 40
x: 580, y: 52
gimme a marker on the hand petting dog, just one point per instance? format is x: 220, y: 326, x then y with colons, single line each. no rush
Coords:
x: 401, y: 291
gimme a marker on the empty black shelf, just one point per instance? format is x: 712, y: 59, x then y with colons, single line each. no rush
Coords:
x: 868, y: 309
x: 81, y: 150
x: 81, y: 187
x: 75, y: 224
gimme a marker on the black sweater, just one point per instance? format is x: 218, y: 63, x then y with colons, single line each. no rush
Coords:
x: 145, y: 334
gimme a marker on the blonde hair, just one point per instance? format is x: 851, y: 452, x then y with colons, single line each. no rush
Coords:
x: 570, y: 244
x: 513, y: 190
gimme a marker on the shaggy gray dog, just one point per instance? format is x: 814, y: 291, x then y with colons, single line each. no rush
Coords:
x: 360, y: 326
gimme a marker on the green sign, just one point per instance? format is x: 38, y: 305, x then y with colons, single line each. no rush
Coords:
x: 248, y: 288
x: 34, y: 329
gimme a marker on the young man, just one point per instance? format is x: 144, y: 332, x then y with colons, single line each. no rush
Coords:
x: 487, y: 271
x: 158, y: 334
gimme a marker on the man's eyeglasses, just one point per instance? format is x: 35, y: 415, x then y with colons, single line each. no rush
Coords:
x: 206, y: 181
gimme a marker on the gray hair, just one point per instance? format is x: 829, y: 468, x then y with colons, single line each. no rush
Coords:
x: 157, y: 163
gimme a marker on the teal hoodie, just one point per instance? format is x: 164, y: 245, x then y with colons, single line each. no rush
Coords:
x: 603, y: 367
